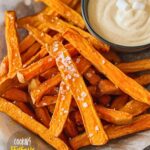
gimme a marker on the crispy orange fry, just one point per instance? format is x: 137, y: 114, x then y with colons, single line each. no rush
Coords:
x: 15, y: 94
x: 112, y: 57
x: 141, y: 123
x: 26, y: 43
x: 65, y: 12
x: 47, y: 100
x: 110, y: 115
x: 61, y: 110
x: 60, y: 26
x: 43, y: 115
x: 38, y: 92
x: 134, y: 107
x: 113, y: 116
x: 92, y: 77
x: 136, y: 66
x: 143, y: 79
x: 125, y: 83
x: 24, y: 108
x: 50, y: 73
x: 30, y: 52
x: 77, y: 87
x: 42, y: 53
x: 119, y: 102
x: 107, y: 87
x: 92, y: 90
x: 12, y: 43
x: 22, y: 118
x: 74, y: 3
x: 38, y: 67
x: 4, y: 66
x: 70, y: 128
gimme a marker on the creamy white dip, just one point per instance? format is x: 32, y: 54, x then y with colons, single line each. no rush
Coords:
x: 124, y: 22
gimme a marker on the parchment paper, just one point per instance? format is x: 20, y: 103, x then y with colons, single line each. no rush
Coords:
x: 8, y: 127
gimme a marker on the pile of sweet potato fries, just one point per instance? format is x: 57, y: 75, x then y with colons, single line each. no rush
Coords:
x: 66, y: 86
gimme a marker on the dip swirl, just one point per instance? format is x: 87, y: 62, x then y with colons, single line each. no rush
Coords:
x: 123, y: 22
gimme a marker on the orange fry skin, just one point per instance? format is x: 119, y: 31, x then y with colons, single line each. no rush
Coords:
x: 25, y: 120
x: 61, y: 110
x: 12, y: 43
x: 98, y: 136
x: 125, y: 83
x: 140, y: 123
x: 4, y: 66
x: 65, y: 11
x: 15, y: 94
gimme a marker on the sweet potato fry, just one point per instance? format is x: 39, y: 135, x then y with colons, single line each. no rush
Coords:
x: 70, y: 128
x: 92, y: 90
x: 119, y: 102
x: 26, y: 43
x: 12, y: 43
x: 35, y: 69
x: 112, y: 56
x: 141, y: 123
x: 125, y: 83
x: 51, y: 108
x: 30, y: 52
x: 4, y: 66
x: 47, y: 100
x: 50, y: 73
x: 22, y: 118
x: 136, y: 66
x: 113, y: 116
x: 77, y: 87
x: 43, y: 115
x: 92, y: 77
x: 74, y: 3
x: 60, y: 26
x: 42, y: 53
x: 15, y: 94
x: 38, y: 92
x: 110, y: 115
x: 38, y: 67
x: 24, y: 108
x: 61, y: 110
x: 143, y: 79
x: 134, y: 107
x: 107, y: 87
x: 65, y: 12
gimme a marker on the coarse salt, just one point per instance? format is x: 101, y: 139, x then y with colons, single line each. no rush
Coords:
x: 103, y: 61
x: 90, y: 135
x: 83, y: 94
x: 78, y: 60
x: 96, y: 128
x: 85, y: 105
x: 89, y: 75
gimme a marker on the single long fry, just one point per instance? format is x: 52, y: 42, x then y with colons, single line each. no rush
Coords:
x: 30, y: 52
x: 125, y: 83
x: 4, y: 67
x: 15, y: 94
x: 70, y: 128
x: 110, y: 115
x: 77, y: 87
x: 24, y: 108
x: 134, y: 107
x: 60, y: 26
x: 107, y: 87
x: 141, y: 123
x: 47, y: 100
x: 119, y: 102
x: 65, y: 11
x: 136, y: 66
x: 22, y: 118
x: 61, y: 111
x: 92, y: 77
x: 12, y: 43
x: 38, y: 92
x: 43, y: 116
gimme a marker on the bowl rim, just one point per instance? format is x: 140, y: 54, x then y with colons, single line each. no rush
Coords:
x: 90, y: 28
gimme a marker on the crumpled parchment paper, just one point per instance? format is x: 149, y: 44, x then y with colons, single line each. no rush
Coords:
x: 8, y: 127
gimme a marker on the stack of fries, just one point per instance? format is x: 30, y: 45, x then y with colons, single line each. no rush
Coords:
x: 65, y: 85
